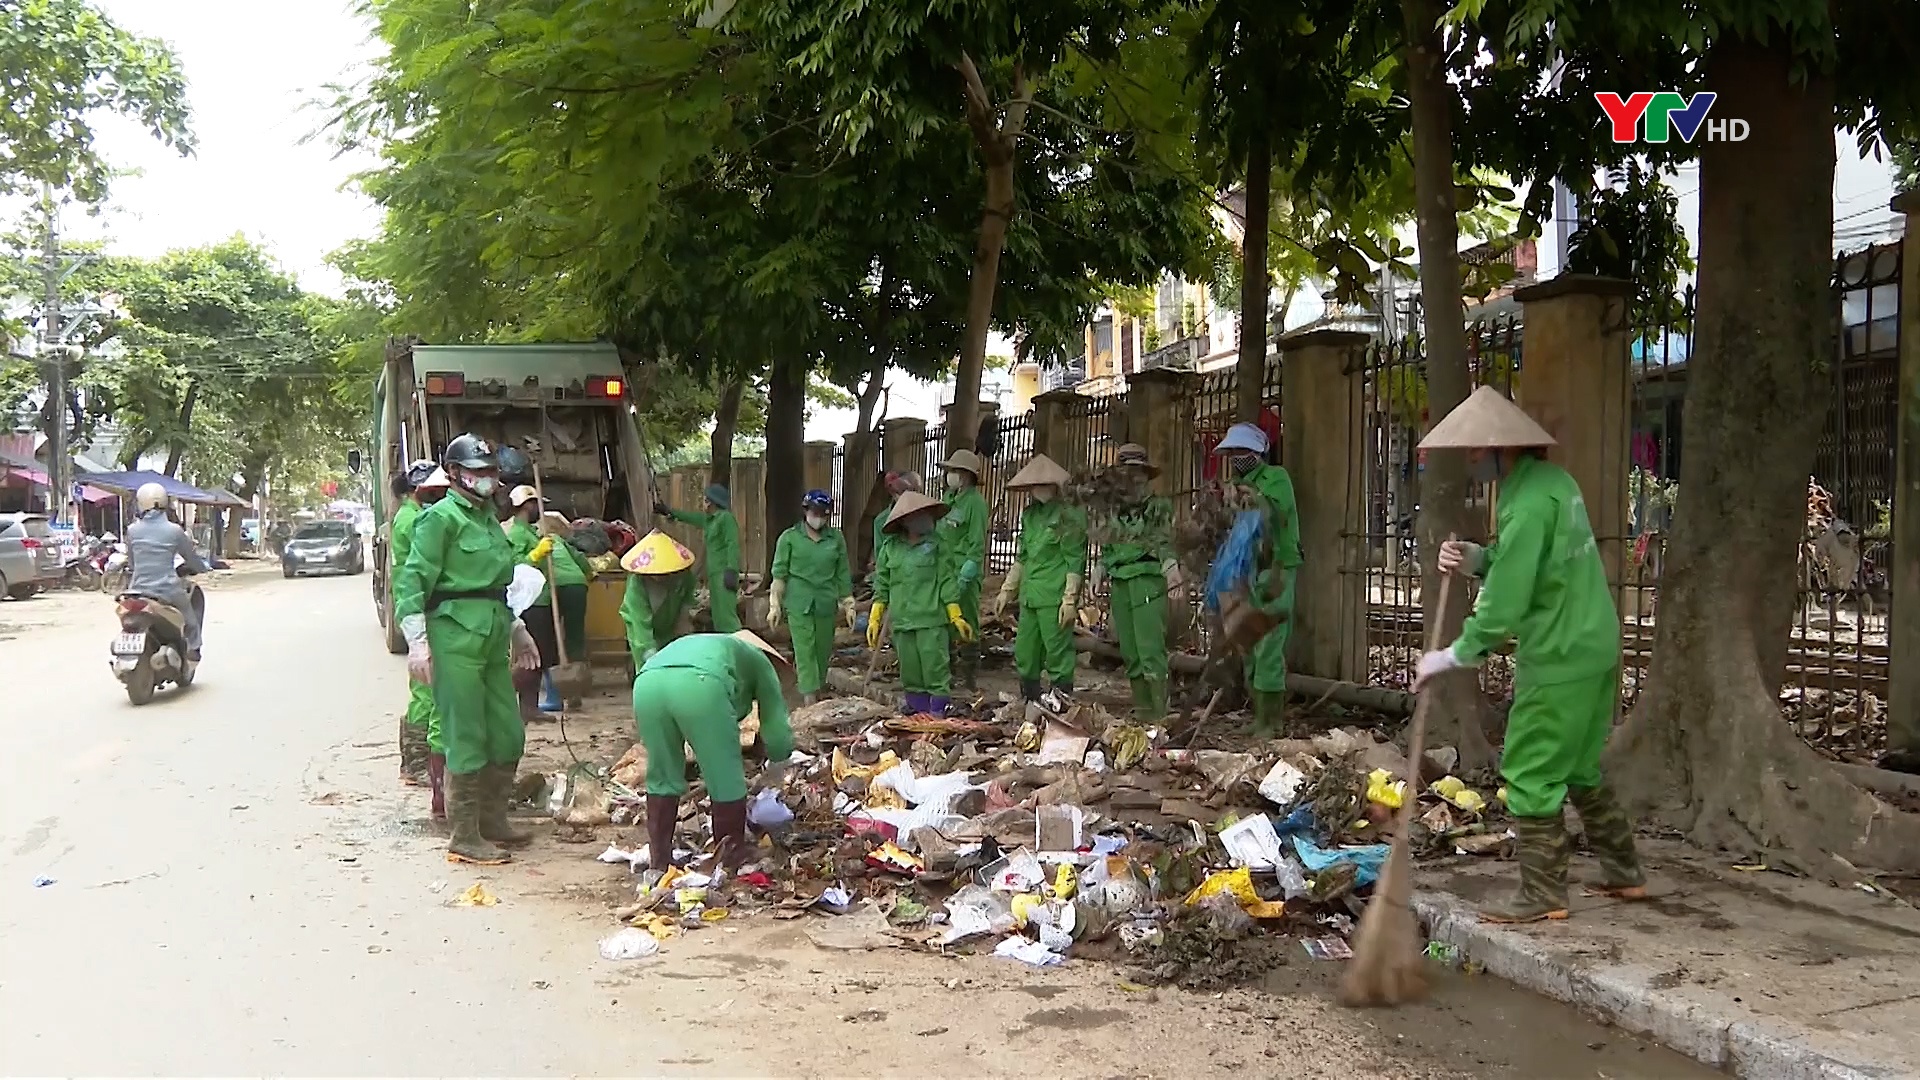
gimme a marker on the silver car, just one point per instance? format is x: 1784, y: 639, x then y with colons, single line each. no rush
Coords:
x: 29, y: 555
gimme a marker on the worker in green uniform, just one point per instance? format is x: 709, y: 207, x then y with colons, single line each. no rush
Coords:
x: 696, y: 691
x: 415, y: 767
x: 451, y: 602
x: 897, y: 484
x: 659, y: 594
x: 812, y: 584
x: 422, y: 717
x: 1247, y: 452
x: 1044, y: 581
x: 914, y: 579
x: 538, y: 617
x: 1143, y: 579
x: 1545, y: 588
x: 721, y: 531
x: 571, y: 574
x: 963, y: 544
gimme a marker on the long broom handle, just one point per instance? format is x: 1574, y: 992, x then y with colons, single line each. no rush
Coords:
x: 1417, y: 740
x: 553, y: 591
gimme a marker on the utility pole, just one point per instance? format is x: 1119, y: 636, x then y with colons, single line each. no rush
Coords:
x: 56, y: 358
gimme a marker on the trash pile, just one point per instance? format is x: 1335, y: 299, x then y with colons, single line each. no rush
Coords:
x: 1055, y: 830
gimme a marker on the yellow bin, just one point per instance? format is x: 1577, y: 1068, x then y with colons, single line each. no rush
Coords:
x: 606, y: 634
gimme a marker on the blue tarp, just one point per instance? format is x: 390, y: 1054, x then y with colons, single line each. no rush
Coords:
x: 126, y: 483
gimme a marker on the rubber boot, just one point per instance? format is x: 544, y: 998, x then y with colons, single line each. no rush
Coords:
x: 1029, y: 690
x: 1269, y: 712
x: 1610, y: 836
x: 1142, y: 704
x: 1543, y: 873
x: 663, y: 812
x: 530, y: 712
x: 1064, y: 686
x: 730, y: 834
x: 493, y: 808
x: 809, y: 699
x: 549, y: 697
x: 968, y: 666
x: 413, y: 754
x: 939, y: 706
x: 1156, y: 700
x: 465, y: 793
x: 437, y: 779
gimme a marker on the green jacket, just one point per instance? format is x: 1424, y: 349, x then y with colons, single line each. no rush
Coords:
x: 1283, y: 514
x: 456, y: 547
x: 722, y: 533
x: 1140, y: 539
x: 747, y: 674
x: 1546, y: 587
x: 569, y: 566
x: 523, y: 538
x: 915, y: 583
x: 963, y: 536
x: 1053, y: 545
x: 815, y: 571
x: 648, y: 627
x: 402, y: 532
x: 881, y: 537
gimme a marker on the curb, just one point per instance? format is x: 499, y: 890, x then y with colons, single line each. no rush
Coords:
x: 1621, y: 995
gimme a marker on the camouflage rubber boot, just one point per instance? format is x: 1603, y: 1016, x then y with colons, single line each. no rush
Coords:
x: 1269, y: 712
x: 1610, y: 835
x: 465, y: 792
x: 413, y: 754
x: 1544, y: 852
x: 1156, y: 700
x: 498, y: 789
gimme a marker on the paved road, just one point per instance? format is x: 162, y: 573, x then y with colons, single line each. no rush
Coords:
x: 241, y: 888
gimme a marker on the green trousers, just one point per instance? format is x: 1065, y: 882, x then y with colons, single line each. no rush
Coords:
x: 421, y: 713
x: 677, y: 707
x: 1267, y: 664
x: 473, y: 688
x: 1139, y: 612
x: 1555, y: 733
x: 1042, y: 644
x: 923, y: 661
x: 726, y: 605
x: 573, y: 618
x: 812, y: 647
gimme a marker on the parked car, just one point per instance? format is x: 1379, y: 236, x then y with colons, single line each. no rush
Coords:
x: 29, y: 556
x: 324, y: 547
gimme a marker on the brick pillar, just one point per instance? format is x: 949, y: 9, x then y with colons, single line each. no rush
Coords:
x: 1160, y: 418
x: 750, y: 509
x: 1576, y: 379
x: 817, y: 467
x: 1903, y: 622
x: 1052, y: 430
x: 1323, y: 445
x: 903, y: 445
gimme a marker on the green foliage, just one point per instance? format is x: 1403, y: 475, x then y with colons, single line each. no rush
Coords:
x: 63, y: 64
x: 1633, y: 232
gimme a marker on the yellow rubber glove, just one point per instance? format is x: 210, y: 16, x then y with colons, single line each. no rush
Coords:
x: 541, y: 550
x: 774, y: 608
x: 1070, y: 601
x: 874, y: 615
x: 959, y: 623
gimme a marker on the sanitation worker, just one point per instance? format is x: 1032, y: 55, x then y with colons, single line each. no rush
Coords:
x: 415, y: 767
x: 695, y: 692
x: 659, y: 592
x: 812, y: 584
x: 571, y: 574
x: 1044, y: 582
x: 531, y: 549
x: 914, y: 578
x: 452, y: 606
x: 1247, y: 452
x: 722, y: 533
x: 1143, y: 579
x: 1545, y: 588
x: 428, y: 483
x: 897, y: 484
x: 963, y: 543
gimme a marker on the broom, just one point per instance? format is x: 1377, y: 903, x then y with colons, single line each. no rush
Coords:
x: 573, y: 679
x: 1387, y: 968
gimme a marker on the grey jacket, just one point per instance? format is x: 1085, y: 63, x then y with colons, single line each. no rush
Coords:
x: 152, y: 543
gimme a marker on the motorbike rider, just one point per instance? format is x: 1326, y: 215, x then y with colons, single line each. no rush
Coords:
x: 154, y: 540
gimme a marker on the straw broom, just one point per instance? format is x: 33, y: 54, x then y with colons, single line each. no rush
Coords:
x: 1387, y: 968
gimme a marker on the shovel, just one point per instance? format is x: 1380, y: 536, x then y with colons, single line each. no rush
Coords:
x: 573, y: 679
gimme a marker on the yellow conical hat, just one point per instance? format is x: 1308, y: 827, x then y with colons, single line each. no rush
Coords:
x: 656, y: 553
x: 1040, y: 472
x: 758, y: 642
x: 1486, y: 420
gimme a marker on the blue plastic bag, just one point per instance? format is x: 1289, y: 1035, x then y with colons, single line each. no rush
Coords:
x: 1367, y: 859
x: 1239, y: 554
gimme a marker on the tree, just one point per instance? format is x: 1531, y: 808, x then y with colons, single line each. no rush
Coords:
x: 63, y: 64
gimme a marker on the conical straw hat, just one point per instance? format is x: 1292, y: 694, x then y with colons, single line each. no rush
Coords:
x: 656, y: 553
x: 758, y: 642
x: 1486, y: 420
x: 1040, y: 472
x: 965, y: 459
x: 910, y: 502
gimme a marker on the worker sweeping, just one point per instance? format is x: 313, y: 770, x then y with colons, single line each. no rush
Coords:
x: 721, y: 530
x: 450, y: 598
x: 1044, y: 582
x: 1143, y: 578
x: 1247, y: 453
x: 963, y: 541
x: 695, y: 692
x: 925, y: 598
x: 812, y: 584
x: 571, y: 573
x: 1546, y: 589
x: 417, y: 766
x: 659, y: 594
x: 530, y: 549
x: 897, y: 484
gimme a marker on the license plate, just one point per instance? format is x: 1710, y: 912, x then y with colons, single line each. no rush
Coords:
x: 130, y: 644
x: 316, y: 558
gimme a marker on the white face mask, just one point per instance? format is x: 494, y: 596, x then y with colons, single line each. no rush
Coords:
x: 816, y: 522
x: 959, y: 480
x: 1046, y: 494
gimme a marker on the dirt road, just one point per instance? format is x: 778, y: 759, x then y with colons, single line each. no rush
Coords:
x: 240, y: 886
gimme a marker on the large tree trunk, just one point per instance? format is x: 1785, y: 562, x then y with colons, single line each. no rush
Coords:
x: 1457, y: 704
x: 179, y: 445
x: 997, y: 137
x: 786, y: 445
x: 726, y: 417
x: 1250, y: 372
x: 1707, y: 747
x: 862, y: 463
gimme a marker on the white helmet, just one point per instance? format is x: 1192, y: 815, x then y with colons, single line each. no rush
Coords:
x: 151, y: 497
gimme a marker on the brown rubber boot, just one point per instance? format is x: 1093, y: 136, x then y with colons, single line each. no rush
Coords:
x: 530, y: 705
x: 493, y: 807
x: 1610, y: 836
x: 663, y: 813
x: 1269, y: 713
x: 413, y: 754
x: 730, y: 833
x: 437, y: 779
x: 1544, y: 852
x: 465, y: 792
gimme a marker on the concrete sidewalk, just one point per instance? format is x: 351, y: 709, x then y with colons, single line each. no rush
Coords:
x: 1758, y: 973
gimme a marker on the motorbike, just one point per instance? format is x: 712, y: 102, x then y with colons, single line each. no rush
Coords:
x: 150, y: 652
x: 114, y: 567
x: 87, y: 571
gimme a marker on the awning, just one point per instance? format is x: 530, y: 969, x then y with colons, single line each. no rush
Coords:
x: 126, y: 483
x: 27, y: 473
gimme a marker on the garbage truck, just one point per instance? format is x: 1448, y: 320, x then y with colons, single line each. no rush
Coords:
x: 568, y: 407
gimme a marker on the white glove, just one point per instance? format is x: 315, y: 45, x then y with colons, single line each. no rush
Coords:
x: 420, y: 662
x: 1009, y: 590
x: 526, y: 654
x: 774, y: 609
x: 1461, y: 557
x: 1170, y: 569
x: 1070, y: 602
x: 1432, y: 664
x: 846, y: 613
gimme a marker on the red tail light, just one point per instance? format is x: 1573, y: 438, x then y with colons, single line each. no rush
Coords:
x: 446, y: 383
x: 605, y: 386
x: 31, y: 544
x: 132, y: 605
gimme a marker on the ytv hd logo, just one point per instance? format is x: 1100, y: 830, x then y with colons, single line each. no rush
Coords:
x: 1667, y: 111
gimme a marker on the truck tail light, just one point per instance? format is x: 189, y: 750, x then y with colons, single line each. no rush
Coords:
x: 446, y: 383
x: 605, y: 386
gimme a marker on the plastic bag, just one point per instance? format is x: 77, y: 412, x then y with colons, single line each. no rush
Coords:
x: 767, y: 811
x: 1282, y: 784
x: 632, y: 943
x: 976, y: 910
